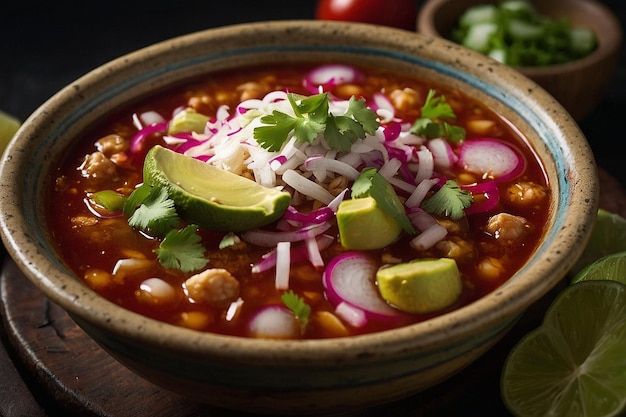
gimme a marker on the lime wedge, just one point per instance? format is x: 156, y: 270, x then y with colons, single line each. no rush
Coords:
x: 574, y: 363
x: 8, y: 127
x: 357, y: 217
x: 212, y: 198
x: 608, y: 236
x: 420, y: 286
x: 611, y: 267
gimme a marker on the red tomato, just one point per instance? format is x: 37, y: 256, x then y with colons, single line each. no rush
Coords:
x: 396, y: 13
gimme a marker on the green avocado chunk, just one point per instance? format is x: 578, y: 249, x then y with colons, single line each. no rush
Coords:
x: 422, y: 285
x: 364, y: 225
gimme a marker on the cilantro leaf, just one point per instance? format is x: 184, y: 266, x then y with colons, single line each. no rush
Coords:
x: 315, y: 107
x: 312, y: 117
x: 156, y: 213
x: 279, y: 126
x: 363, y: 115
x: 341, y: 132
x: 436, y: 107
x: 298, y: 307
x: 371, y: 183
x: 430, y: 124
x: 181, y: 249
x: 309, y: 121
x: 135, y: 199
x: 363, y: 183
x: 450, y: 200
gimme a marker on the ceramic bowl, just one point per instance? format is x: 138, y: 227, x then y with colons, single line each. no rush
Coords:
x: 578, y: 85
x: 305, y: 376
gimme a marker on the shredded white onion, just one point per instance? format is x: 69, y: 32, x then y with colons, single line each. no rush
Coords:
x: 324, y: 163
x: 418, y: 195
x: 429, y: 237
x: 283, y: 260
x: 307, y: 187
x: 313, y: 250
x: 390, y: 168
x: 352, y: 315
x: 426, y: 165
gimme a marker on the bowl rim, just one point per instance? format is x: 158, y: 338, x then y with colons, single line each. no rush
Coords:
x: 462, y: 324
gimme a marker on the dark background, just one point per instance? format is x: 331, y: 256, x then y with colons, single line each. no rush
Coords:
x: 45, y: 47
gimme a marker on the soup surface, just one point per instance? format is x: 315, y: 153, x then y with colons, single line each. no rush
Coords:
x: 462, y: 181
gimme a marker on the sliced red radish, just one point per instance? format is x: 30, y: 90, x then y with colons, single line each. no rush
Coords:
x: 327, y: 76
x: 138, y: 142
x: 491, y: 159
x: 350, y: 278
x: 486, y: 196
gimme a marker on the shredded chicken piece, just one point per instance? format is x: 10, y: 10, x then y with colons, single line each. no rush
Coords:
x: 508, y: 229
x: 405, y: 99
x: 454, y: 227
x: 526, y: 193
x: 456, y: 248
x: 251, y: 90
x: 347, y: 90
x: 490, y: 269
x: 111, y: 145
x: 202, y: 104
x: 215, y: 286
x: 97, y: 165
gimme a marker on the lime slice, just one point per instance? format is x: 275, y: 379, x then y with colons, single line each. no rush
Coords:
x: 611, y: 267
x: 608, y: 236
x: 574, y: 363
x: 8, y: 127
x: 420, y: 286
x: 212, y: 198
x: 357, y: 217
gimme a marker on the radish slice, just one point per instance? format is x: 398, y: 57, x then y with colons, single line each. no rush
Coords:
x: 349, y: 278
x: 317, y: 216
x: 327, y: 76
x: 267, y: 238
x: 490, y: 196
x: 274, y: 322
x: 491, y: 158
x: 138, y: 141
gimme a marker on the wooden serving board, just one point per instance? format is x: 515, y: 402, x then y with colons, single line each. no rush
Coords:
x: 50, y: 367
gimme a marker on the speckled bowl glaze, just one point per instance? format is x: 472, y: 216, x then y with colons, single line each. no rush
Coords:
x: 309, y: 376
x: 578, y: 85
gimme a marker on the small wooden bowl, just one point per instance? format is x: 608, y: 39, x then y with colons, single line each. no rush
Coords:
x: 578, y: 85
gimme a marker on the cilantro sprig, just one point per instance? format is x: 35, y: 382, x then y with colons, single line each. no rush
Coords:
x: 155, y: 214
x: 313, y: 117
x: 432, y: 124
x: 371, y: 183
x: 150, y: 210
x: 300, y: 309
x: 450, y: 201
x: 181, y: 249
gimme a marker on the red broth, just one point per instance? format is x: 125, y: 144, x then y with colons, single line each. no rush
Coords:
x: 91, y: 241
